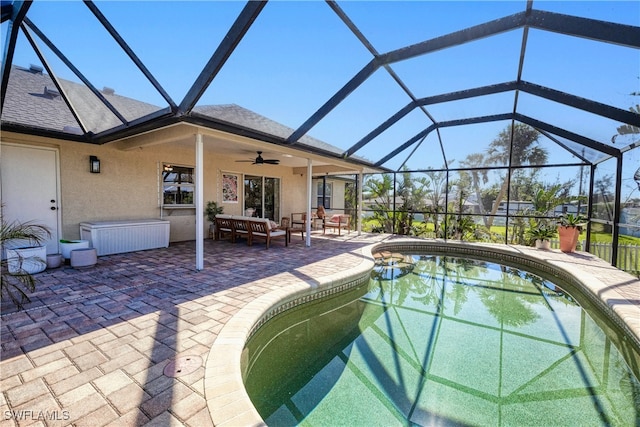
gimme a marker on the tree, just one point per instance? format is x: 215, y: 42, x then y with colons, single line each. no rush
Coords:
x: 603, y: 199
x: 379, y: 192
x: 477, y: 176
x: 413, y: 192
x: 546, y: 198
x: 438, y: 188
x: 351, y: 201
x: 630, y: 130
x: 517, y: 143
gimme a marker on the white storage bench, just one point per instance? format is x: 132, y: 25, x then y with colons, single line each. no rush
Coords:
x: 114, y: 237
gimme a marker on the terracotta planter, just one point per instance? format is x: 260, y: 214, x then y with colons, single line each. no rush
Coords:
x: 568, y: 238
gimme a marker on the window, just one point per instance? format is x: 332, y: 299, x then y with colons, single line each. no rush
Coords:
x: 324, y: 194
x: 177, y: 185
x: 262, y: 197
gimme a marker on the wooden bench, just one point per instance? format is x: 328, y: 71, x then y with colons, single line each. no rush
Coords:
x: 224, y: 225
x: 241, y: 229
x: 248, y: 228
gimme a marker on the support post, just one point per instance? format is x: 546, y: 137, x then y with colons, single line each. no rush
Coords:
x: 309, y: 194
x: 616, y: 213
x: 199, y: 195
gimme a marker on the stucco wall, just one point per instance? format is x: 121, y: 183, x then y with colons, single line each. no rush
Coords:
x: 128, y: 185
x: 337, y: 195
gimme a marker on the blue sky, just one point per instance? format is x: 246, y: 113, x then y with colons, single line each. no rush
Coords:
x: 297, y: 54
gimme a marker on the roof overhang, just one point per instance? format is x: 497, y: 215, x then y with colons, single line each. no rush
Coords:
x: 230, y: 144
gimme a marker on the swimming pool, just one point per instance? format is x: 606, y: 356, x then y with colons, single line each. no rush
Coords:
x: 435, y: 339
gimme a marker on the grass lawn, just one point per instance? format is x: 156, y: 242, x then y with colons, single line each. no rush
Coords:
x: 596, y: 237
x: 628, y: 258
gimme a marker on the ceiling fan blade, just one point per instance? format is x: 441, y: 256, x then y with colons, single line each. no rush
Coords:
x: 260, y: 161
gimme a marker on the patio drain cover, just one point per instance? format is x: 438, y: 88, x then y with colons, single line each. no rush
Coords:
x: 182, y: 366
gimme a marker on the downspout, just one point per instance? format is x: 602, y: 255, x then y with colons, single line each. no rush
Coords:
x: 199, y: 197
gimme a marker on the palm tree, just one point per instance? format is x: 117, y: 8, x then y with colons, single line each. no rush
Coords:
x: 476, y: 160
x: 630, y: 130
x: 516, y: 145
x: 438, y: 182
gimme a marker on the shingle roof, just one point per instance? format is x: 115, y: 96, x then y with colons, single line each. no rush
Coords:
x: 26, y: 102
x: 240, y: 116
x: 29, y: 104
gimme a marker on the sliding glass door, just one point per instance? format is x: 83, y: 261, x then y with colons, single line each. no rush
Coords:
x: 262, y: 197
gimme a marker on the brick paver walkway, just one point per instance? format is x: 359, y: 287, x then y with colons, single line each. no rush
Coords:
x: 91, y: 347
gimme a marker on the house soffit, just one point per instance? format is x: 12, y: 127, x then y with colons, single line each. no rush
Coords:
x: 237, y: 147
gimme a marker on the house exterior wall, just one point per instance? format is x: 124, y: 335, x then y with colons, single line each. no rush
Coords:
x: 128, y: 185
x: 337, y: 195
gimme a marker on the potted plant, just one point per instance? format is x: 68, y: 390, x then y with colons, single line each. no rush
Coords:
x: 66, y: 246
x: 211, y: 210
x: 25, y: 256
x: 569, y: 228
x: 541, y: 233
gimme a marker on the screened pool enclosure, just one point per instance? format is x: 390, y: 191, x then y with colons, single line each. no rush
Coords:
x: 468, y: 119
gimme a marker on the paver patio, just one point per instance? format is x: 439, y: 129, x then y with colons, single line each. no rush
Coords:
x: 92, y: 346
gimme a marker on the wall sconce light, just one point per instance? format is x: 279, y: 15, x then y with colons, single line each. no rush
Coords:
x: 94, y: 164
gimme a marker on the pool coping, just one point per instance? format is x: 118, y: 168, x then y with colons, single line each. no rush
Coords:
x: 230, y: 405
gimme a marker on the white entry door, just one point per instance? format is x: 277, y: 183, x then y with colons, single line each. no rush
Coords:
x: 30, y: 187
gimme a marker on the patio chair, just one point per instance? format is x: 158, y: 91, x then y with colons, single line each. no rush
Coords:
x: 298, y: 219
x: 285, y: 224
x: 261, y: 229
x: 298, y: 224
x: 338, y: 221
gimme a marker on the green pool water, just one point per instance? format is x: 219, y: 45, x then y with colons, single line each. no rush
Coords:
x: 436, y: 340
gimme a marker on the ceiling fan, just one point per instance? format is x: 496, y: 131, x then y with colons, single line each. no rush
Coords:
x: 260, y: 161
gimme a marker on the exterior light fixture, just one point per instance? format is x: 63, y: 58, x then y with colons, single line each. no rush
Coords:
x: 94, y: 164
